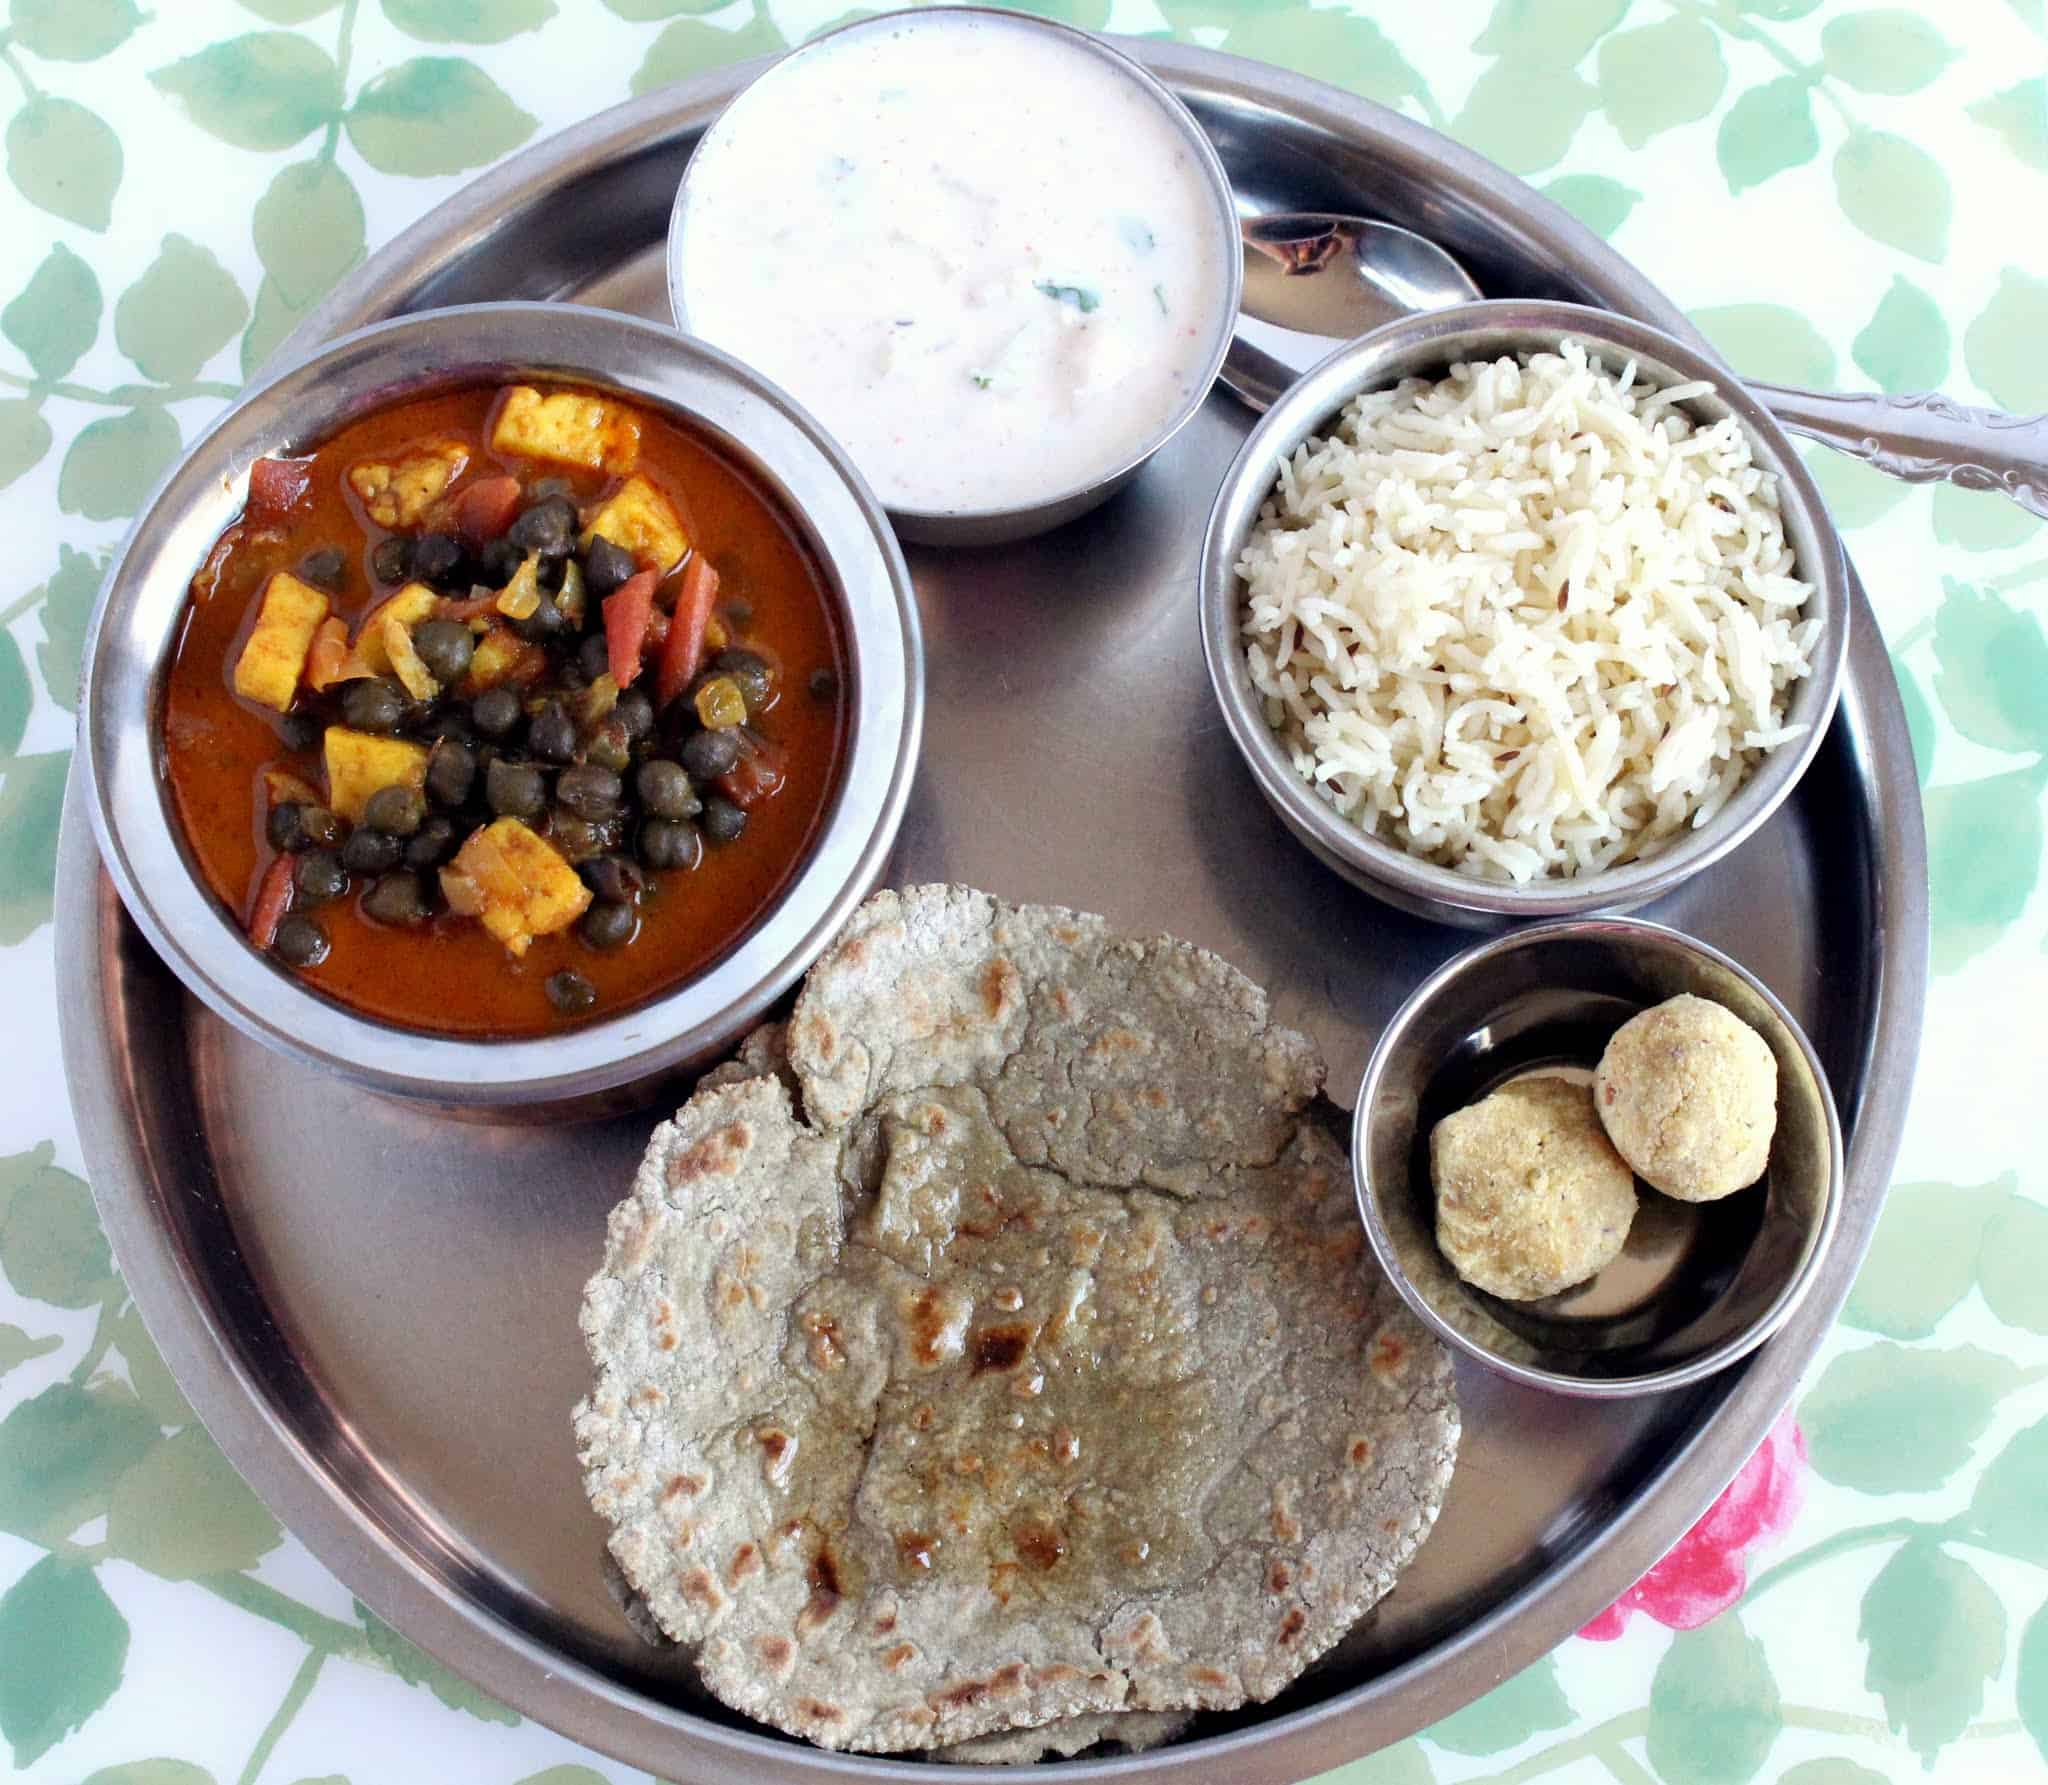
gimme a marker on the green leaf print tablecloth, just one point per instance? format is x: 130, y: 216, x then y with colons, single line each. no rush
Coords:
x: 1840, y: 194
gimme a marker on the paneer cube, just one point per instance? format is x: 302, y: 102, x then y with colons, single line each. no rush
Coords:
x: 412, y: 606
x: 399, y: 494
x: 640, y: 519
x: 271, y: 663
x: 359, y: 763
x: 570, y: 428
x: 515, y: 882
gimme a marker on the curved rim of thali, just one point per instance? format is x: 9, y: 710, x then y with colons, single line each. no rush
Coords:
x: 575, y: 1698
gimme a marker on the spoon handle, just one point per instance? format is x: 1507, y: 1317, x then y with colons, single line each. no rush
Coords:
x: 1255, y: 376
x: 1924, y: 437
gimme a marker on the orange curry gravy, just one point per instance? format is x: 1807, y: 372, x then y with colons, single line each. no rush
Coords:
x: 446, y: 974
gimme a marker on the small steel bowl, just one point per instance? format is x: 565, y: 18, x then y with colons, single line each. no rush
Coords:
x: 1698, y: 1285
x: 1427, y: 345
x: 997, y: 526
x: 601, y: 1065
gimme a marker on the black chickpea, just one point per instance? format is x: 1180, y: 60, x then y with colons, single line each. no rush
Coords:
x: 665, y: 789
x: 547, y: 527
x: 398, y: 810
x: 612, y: 877
x: 370, y: 852
x: 668, y: 843
x: 396, y: 898
x: 552, y: 734
x: 324, y: 569
x: 569, y: 992
x: 373, y: 704
x: 515, y: 790
x: 299, y: 941
x: 451, y: 772
x: 709, y: 754
x: 635, y: 712
x: 605, y: 567
x: 435, y: 557
x: 323, y: 827
x: 608, y: 924
x: 319, y: 876
x: 445, y: 648
x: 588, y: 791
x: 431, y: 844
x: 285, y: 829
x: 723, y: 821
x: 494, y: 712
x: 391, y: 561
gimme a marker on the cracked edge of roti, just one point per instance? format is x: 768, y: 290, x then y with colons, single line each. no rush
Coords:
x: 934, y: 986
x: 1131, y: 1731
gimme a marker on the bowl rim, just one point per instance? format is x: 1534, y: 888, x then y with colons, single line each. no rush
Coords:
x: 936, y: 524
x: 134, y: 625
x: 1737, y: 1345
x: 1373, y: 362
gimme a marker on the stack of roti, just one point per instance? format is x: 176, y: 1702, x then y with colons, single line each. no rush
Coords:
x: 989, y: 1361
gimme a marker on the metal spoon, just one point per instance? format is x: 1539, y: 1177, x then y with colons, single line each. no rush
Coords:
x: 1342, y: 277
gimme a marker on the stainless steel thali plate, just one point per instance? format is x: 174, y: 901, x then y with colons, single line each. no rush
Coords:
x: 373, y: 1308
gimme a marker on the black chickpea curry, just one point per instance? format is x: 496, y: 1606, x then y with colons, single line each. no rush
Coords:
x: 504, y: 709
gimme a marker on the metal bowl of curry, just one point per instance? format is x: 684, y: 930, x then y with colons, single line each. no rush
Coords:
x: 503, y: 706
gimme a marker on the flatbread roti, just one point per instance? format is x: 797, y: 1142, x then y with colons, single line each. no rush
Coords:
x: 1130, y: 1731
x: 998, y: 1347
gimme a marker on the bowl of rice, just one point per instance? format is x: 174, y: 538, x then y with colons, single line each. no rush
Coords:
x: 1522, y: 609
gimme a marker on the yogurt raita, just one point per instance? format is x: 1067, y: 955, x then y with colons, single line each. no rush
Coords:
x: 985, y: 257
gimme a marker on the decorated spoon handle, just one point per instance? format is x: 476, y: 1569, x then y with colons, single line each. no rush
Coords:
x: 1924, y: 438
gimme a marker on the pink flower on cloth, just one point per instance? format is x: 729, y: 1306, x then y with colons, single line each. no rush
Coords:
x: 1705, y: 1572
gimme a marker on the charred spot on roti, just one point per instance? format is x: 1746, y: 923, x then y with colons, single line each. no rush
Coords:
x: 700, y: 1588
x: 717, y: 1155
x: 826, y: 1350
x: 1001, y: 1347
x: 1057, y: 1448
x: 935, y: 1323
x: 1039, y: 1542
x: 826, y: 1596
x: 1000, y: 988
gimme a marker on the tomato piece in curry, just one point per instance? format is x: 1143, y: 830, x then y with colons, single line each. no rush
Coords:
x: 504, y: 709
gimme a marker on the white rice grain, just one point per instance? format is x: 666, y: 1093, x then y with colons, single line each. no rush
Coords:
x: 1527, y: 620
